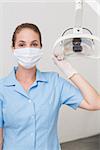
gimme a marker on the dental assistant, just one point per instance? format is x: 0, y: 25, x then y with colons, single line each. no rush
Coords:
x: 30, y: 100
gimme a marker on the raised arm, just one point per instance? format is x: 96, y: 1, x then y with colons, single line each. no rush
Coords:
x: 91, y: 99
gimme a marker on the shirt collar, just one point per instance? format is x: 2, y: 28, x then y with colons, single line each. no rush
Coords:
x: 11, y: 78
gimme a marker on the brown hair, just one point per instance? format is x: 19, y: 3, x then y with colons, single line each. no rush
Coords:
x: 26, y: 25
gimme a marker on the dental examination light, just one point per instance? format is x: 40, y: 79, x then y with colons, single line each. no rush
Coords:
x: 79, y: 41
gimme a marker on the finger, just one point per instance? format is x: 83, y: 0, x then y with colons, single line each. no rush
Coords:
x: 59, y: 57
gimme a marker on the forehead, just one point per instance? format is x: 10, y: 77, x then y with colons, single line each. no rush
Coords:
x: 27, y: 34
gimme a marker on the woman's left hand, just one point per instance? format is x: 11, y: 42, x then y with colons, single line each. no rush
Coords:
x: 64, y: 66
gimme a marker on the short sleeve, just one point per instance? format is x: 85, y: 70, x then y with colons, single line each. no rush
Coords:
x: 70, y: 94
x: 1, y: 115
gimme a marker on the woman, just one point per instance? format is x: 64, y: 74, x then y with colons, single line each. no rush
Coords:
x: 30, y: 100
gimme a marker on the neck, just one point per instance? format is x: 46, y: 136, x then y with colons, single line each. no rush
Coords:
x: 23, y: 74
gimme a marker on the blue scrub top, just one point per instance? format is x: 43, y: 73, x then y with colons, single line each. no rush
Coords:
x: 30, y: 118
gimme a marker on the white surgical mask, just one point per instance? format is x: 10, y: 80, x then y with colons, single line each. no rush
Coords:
x: 28, y: 57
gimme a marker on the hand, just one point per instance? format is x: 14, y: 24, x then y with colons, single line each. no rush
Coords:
x: 64, y: 66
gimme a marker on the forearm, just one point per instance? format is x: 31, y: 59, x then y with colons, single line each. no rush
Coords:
x: 88, y: 92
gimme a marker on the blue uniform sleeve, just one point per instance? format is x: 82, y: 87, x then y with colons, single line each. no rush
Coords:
x: 70, y: 94
x: 1, y: 115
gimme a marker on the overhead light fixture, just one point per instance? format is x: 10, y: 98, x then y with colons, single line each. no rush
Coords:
x: 78, y: 41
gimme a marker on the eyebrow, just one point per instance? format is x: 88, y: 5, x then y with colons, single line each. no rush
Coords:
x: 25, y: 41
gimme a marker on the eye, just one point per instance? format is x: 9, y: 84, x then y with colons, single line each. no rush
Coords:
x: 34, y: 44
x: 21, y: 45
